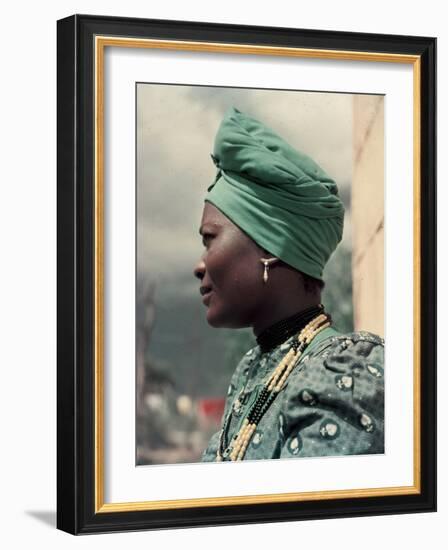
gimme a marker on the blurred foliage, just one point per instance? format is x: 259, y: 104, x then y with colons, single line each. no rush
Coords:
x: 337, y: 294
x: 169, y: 428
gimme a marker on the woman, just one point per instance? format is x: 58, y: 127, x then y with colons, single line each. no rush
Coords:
x: 271, y: 220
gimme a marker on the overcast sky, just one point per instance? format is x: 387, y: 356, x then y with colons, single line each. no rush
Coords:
x: 176, y: 126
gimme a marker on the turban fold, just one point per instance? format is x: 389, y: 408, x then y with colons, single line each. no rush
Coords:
x: 278, y: 196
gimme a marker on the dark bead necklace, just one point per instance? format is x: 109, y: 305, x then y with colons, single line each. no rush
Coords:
x: 279, y: 332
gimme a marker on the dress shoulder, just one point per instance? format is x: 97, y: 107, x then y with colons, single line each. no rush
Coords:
x: 334, y: 401
x: 350, y: 353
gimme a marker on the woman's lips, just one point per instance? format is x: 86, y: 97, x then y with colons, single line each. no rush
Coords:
x: 206, y: 297
x: 205, y: 293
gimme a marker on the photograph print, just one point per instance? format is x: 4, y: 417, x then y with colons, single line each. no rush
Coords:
x: 260, y: 274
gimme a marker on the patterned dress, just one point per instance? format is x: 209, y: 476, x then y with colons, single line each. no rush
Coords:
x: 332, y: 403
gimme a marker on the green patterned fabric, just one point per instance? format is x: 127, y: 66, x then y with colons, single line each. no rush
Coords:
x: 332, y: 404
x: 277, y: 195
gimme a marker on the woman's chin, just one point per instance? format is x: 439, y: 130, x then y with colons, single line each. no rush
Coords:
x: 213, y: 319
x: 215, y: 316
x: 217, y: 319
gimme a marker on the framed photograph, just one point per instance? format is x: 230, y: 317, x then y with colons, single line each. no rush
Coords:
x: 246, y: 274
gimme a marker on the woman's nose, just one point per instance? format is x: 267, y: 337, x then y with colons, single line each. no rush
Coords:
x: 199, y: 270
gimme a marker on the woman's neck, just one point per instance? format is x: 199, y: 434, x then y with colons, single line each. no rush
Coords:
x: 280, y: 331
x: 278, y: 312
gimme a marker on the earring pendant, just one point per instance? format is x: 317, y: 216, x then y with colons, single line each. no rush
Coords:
x: 267, y: 262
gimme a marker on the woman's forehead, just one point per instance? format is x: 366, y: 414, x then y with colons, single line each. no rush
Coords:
x: 212, y: 216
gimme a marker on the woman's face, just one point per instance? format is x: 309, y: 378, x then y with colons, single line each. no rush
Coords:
x: 230, y: 271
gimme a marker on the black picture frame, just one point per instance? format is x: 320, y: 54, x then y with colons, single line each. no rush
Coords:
x: 79, y: 504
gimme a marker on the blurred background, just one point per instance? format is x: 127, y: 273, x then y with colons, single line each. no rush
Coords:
x: 183, y: 365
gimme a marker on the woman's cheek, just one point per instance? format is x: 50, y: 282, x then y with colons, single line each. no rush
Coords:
x: 212, y: 266
x: 218, y: 264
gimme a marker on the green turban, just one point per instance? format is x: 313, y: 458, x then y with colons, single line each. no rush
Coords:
x: 278, y: 196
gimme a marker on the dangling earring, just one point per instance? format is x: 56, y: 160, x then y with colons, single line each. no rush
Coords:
x: 267, y: 262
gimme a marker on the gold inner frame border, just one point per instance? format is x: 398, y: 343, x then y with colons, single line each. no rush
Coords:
x: 100, y: 43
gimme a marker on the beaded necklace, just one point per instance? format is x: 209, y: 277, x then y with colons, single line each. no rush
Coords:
x: 272, y: 386
x: 277, y: 333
